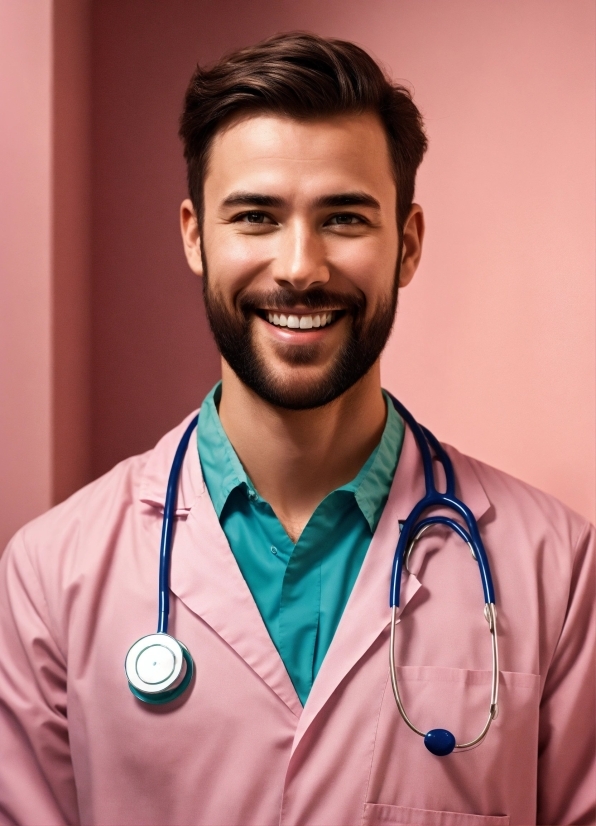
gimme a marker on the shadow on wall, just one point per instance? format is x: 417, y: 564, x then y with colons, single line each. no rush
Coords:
x: 153, y: 358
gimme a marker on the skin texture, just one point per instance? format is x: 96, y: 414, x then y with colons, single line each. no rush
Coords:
x: 301, y: 242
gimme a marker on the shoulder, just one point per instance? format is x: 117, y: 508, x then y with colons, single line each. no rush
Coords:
x: 543, y: 560
x: 57, y: 542
x: 73, y: 535
x: 525, y: 514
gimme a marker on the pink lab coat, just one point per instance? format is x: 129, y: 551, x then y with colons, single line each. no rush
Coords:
x: 79, y: 586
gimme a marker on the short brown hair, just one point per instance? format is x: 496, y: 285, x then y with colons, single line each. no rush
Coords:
x: 303, y: 76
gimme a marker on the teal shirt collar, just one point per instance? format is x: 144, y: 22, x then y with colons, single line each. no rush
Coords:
x: 369, y: 486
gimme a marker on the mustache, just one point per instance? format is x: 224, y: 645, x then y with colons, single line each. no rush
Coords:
x: 315, y: 299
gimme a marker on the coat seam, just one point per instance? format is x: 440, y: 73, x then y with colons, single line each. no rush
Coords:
x: 374, y: 745
x: 573, y: 559
x: 44, y: 608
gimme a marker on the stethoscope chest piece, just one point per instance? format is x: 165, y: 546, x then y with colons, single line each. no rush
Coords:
x: 158, y: 668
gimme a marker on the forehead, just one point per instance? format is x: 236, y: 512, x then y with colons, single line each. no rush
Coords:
x: 258, y: 153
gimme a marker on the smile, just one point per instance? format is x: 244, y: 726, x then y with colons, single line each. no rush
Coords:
x: 303, y: 321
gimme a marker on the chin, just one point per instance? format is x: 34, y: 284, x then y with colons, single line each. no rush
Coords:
x: 301, y: 394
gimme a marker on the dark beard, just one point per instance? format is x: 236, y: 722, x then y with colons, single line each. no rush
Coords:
x: 363, y: 346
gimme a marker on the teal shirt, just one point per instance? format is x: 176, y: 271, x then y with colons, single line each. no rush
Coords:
x: 300, y: 589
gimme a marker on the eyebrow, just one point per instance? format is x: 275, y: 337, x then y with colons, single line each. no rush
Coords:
x: 248, y: 199
x: 340, y: 199
x: 343, y: 199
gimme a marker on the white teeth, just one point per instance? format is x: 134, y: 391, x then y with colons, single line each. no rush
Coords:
x: 303, y: 322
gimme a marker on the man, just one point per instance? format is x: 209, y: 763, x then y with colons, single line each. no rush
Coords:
x: 301, y: 166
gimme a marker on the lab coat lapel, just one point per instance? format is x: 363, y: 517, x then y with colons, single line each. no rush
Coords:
x: 206, y: 577
x: 204, y: 573
x: 367, y: 613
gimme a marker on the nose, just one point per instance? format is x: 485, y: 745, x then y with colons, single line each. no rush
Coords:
x: 301, y: 261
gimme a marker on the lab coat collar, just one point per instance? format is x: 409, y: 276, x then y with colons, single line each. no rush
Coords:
x: 408, y: 480
x: 157, y: 470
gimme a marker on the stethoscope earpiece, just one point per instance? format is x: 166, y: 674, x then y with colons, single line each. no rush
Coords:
x: 159, y: 668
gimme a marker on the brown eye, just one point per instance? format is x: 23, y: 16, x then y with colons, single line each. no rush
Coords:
x: 345, y: 220
x: 254, y: 217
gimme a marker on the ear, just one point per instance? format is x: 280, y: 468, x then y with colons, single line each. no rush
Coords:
x: 191, y: 240
x: 413, y: 234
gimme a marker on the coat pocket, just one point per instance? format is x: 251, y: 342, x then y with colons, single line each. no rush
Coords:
x: 379, y: 814
x: 496, y: 778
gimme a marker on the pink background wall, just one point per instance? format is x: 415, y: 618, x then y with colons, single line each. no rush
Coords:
x: 494, y: 344
x: 71, y: 223
x: 500, y: 318
x: 25, y: 263
x: 45, y: 444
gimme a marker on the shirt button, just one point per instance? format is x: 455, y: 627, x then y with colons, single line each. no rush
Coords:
x: 274, y: 550
x: 252, y: 494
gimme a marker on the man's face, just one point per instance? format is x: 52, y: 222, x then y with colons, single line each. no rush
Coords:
x: 299, y: 250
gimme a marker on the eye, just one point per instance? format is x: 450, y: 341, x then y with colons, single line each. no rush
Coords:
x: 345, y: 220
x: 253, y: 217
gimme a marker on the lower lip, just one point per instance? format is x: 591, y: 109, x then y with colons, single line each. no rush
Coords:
x: 294, y: 336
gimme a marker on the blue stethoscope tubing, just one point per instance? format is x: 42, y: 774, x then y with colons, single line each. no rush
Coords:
x: 440, y: 741
x: 169, y: 512
x: 434, y: 499
x: 149, y: 654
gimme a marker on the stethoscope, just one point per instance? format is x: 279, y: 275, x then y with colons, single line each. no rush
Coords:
x: 159, y: 668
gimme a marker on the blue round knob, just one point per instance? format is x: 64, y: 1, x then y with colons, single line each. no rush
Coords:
x: 439, y: 741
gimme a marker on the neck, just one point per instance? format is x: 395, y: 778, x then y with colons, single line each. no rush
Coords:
x: 296, y: 457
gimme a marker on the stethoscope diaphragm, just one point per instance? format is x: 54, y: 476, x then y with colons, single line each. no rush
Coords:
x: 158, y: 668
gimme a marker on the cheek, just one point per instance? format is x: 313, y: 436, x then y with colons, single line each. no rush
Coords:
x: 235, y: 261
x: 369, y: 264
